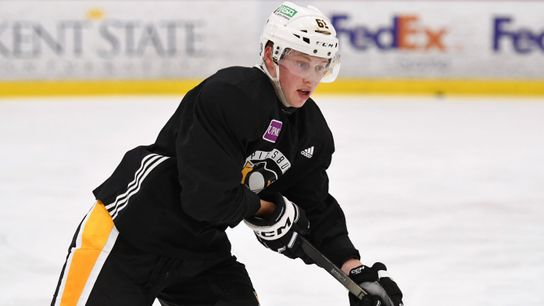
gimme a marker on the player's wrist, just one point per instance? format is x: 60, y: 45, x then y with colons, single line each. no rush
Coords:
x: 350, y: 264
x: 267, y: 209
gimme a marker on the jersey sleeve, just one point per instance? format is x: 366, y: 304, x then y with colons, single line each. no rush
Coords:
x: 328, y: 230
x: 210, y: 152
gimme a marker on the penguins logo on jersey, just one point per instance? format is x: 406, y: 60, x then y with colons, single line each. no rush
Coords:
x: 263, y: 168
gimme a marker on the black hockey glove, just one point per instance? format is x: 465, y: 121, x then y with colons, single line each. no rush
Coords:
x: 382, y: 290
x: 280, y: 231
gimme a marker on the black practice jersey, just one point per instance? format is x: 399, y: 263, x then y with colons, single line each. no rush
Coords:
x: 229, y: 143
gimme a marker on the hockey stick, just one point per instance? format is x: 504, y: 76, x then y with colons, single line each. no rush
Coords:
x: 333, y: 270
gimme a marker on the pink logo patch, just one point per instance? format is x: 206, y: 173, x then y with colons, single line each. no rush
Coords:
x: 273, y: 131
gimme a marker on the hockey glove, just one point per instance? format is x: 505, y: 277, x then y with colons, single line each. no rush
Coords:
x: 382, y: 290
x: 280, y: 231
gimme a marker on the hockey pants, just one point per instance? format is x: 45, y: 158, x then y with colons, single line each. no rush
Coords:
x: 102, y: 269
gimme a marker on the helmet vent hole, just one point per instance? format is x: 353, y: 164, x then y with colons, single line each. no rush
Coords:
x: 315, y: 51
x: 306, y: 40
x: 323, y: 32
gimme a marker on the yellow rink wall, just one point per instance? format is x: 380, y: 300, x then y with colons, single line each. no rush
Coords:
x: 342, y: 86
x: 433, y: 87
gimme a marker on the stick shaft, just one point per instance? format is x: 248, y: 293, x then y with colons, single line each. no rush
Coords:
x: 331, y: 268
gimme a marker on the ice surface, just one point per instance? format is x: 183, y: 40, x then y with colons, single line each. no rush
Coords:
x: 448, y: 192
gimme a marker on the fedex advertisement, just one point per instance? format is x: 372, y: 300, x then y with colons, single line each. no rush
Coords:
x: 403, y: 32
x: 383, y: 40
x: 512, y: 35
x: 440, y: 39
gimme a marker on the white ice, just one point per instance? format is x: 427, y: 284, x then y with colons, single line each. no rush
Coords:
x: 448, y: 192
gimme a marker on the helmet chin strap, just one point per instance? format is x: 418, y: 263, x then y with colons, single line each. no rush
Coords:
x: 275, y: 82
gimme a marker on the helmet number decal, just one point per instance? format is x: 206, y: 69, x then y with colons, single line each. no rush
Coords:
x: 322, y: 24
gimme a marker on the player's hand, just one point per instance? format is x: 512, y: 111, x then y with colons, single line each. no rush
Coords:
x: 280, y: 230
x: 382, y: 290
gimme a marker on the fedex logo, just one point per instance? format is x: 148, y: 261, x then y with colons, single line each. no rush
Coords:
x: 405, y: 33
x: 522, y: 39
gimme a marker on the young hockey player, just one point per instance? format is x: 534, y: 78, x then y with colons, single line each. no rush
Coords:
x: 245, y: 144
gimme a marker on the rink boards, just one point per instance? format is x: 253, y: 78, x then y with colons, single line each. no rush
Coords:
x: 164, y: 47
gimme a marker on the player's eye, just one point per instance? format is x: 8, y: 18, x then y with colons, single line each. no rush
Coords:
x: 320, y: 69
x: 303, y: 66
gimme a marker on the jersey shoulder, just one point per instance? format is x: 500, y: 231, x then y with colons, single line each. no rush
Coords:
x: 250, y: 80
x: 240, y: 89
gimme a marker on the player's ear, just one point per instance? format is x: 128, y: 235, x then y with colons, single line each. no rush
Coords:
x: 267, y: 59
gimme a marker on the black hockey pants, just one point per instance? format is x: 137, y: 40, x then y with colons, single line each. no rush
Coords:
x: 102, y: 269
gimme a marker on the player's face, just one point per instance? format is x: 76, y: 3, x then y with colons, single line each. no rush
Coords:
x: 299, y: 76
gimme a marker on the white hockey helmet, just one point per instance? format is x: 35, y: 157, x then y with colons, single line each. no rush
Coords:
x: 304, y: 29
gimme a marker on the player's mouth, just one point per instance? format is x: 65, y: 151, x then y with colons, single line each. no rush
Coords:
x: 304, y: 93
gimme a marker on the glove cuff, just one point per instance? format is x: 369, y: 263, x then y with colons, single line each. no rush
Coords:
x: 363, y: 273
x: 285, y: 216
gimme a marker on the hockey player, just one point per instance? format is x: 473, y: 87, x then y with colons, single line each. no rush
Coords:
x: 245, y: 144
